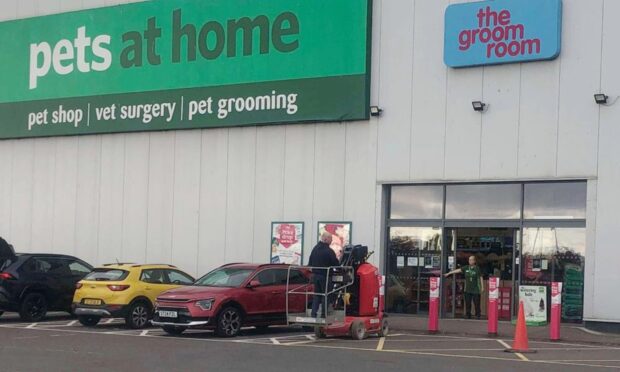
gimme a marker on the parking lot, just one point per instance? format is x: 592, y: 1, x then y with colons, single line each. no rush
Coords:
x: 62, y: 344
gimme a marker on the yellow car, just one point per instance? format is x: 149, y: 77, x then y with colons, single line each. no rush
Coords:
x: 124, y: 291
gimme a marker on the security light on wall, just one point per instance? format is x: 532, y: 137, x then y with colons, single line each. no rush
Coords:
x: 479, y: 106
x: 603, y: 99
x: 375, y: 111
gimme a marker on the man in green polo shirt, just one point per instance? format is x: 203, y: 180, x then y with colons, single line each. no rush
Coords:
x: 473, y: 285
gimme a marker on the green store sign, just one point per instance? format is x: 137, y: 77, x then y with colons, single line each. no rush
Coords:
x: 180, y: 64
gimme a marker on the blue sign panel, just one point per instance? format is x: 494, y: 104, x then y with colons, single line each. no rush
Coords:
x: 502, y: 31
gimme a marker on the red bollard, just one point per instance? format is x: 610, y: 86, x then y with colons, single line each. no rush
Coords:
x: 433, y: 305
x: 556, y: 311
x: 493, y: 306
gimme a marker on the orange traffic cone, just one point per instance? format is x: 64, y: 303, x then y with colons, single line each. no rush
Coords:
x: 520, y: 344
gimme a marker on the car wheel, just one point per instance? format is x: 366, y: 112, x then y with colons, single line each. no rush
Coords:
x: 89, y: 320
x: 319, y: 332
x: 385, y: 328
x: 33, y: 307
x: 171, y: 330
x: 138, y: 315
x: 229, y: 322
x: 358, y: 330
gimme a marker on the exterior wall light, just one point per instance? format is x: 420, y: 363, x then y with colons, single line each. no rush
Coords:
x: 601, y: 98
x: 479, y: 106
x: 375, y: 111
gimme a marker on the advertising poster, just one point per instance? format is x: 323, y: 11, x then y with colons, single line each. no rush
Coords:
x: 534, y: 300
x: 340, y: 232
x: 287, y: 242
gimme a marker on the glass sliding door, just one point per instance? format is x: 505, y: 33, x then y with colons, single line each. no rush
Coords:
x: 414, y: 255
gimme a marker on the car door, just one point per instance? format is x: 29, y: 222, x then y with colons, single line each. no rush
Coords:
x: 44, y: 274
x: 260, y: 298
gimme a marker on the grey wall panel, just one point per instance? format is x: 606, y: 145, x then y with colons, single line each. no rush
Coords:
x: 213, y: 199
x: 135, y: 196
x: 538, y: 124
x: 463, y: 124
x: 359, y: 185
x: 329, y: 171
x: 160, y: 196
x: 20, y: 228
x: 579, y: 80
x: 110, y: 244
x: 500, y: 124
x: 240, y: 201
x: 87, y: 198
x: 269, y: 190
x: 43, y: 194
x: 299, y: 174
x: 395, y: 81
x: 429, y: 93
x: 604, y: 257
x: 65, y: 187
x: 6, y: 185
x: 186, y: 199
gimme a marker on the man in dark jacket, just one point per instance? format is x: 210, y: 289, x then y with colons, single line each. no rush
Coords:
x: 6, y: 252
x: 322, y: 256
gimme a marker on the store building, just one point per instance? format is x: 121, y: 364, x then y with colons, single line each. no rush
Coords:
x: 528, y: 185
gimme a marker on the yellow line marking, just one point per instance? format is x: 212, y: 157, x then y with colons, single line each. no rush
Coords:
x: 380, y: 344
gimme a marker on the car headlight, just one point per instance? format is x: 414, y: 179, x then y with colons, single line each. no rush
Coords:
x: 205, y: 304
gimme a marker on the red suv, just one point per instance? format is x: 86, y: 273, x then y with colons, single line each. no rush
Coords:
x: 231, y: 297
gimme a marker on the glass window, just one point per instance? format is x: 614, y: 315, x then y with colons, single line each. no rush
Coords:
x: 107, y: 275
x: 556, y: 255
x: 416, y: 202
x: 153, y: 276
x: 297, y: 277
x: 272, y: 277
x: 553, y: 201
x: 414, y: 255
x: 78, y: 269
x: 491, y: 201
x: 225, y: 277
x: 176, y: 277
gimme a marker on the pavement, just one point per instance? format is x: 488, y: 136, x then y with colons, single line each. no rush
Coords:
x: 478, y: 328
x: 60, y: 343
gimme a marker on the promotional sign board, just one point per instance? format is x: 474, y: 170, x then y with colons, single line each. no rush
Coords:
x: 502, y: 31
x: 340, y: 232
x: 287, y: 242
x: 163, y: 65
x: 534, y: 300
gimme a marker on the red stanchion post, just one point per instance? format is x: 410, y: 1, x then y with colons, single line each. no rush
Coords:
x: 433, y: 306
x: 556, y: 311
x: 493, y: 306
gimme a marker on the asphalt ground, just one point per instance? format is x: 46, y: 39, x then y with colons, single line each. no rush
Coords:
x: 62, y: 344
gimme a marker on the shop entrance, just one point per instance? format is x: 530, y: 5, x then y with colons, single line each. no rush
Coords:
x: 494, y: 250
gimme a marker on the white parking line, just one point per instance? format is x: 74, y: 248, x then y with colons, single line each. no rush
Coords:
x: 274, y: 341
x: 380, y: 344
x: 32, y: 325
x: 144, y: 333
x: 71, y: 323
x: 109, y: 321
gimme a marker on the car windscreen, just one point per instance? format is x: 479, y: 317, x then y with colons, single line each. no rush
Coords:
x: 225, y: 277
x: 107, y: 275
